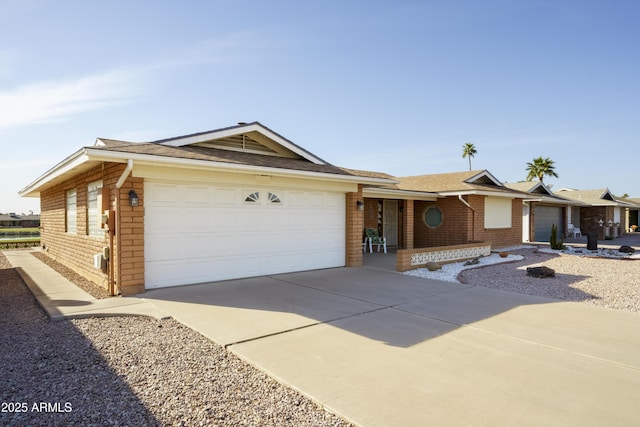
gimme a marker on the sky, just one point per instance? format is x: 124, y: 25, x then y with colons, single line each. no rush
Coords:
x: 391, y: 86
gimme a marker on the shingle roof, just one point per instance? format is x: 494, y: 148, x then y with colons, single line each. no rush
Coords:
x: 468, y: 181
x: 598, y: 197
x: 217, y: 155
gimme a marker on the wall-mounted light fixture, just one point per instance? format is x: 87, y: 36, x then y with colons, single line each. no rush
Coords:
x: 360, y: 205
x: 133, y: 199
x: 601, y: 222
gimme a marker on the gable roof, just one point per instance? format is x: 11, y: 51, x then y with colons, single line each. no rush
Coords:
x: 251, y: 137
x: 542, y: 192
x: 598, y: 197
x: 248, y: 148
x: 480, y: 182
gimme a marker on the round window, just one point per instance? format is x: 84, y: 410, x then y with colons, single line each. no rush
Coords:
x: 433, y: 217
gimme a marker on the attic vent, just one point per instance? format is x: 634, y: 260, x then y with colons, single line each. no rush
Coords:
x: 242, y: 143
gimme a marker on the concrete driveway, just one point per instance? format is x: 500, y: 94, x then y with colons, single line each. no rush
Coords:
x: 380, y: 348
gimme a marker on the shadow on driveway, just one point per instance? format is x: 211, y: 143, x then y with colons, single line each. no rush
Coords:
x: 237, y: 311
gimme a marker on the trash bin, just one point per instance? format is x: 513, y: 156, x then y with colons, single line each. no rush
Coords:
x: 592, y: 241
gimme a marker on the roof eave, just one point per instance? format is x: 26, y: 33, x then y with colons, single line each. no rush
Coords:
x: 117, y: 156
x: 390, y: 193
x: 72, y: 162
x: 509, y: 194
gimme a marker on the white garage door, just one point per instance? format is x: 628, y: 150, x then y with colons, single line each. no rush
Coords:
x: 201, y: 233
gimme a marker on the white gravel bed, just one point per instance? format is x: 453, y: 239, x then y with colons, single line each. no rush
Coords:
x: 450, y: 272
x: 130, y: 371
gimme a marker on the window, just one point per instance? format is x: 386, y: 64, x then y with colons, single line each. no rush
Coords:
x: 497, y: 212
x: 253, y: 197
x: 274, y: 198
x: 94, y: 203
x: 71, y: 211
x: 433, y: 217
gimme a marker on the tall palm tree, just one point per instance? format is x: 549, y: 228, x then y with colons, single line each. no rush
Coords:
x: 469, y: 150
x: 541, y: 167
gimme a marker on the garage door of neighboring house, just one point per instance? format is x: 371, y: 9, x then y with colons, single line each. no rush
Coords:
x: 545, y: 217
x: 198, y: 233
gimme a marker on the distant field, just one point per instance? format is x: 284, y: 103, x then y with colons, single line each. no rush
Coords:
x: 19, y: 230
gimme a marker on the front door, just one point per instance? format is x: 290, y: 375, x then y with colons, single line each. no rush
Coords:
x: 390, y: 222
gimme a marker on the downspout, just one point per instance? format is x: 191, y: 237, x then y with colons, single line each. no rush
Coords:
x: 473, y: 216
x: 115, y: 284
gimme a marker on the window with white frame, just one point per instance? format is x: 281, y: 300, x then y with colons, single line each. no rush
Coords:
x: 71, y: 211
x: 94, y: 203
x: 497, y: 212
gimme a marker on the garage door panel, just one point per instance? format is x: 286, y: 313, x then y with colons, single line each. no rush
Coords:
x: 545, y: 217
x: 196, y: 233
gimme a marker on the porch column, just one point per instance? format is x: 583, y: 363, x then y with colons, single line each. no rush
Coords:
x: 407, y: 220
x: 354, y: 228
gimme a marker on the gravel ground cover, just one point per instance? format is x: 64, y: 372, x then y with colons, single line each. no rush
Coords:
x: 605, y: 282
x: 130, y: 371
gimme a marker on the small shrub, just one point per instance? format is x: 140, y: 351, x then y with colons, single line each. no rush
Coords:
x: 553, y: 241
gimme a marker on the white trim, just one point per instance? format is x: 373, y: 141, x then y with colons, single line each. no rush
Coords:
x: 486, y: 173
x: 114, y: 156
x: 387, y: 193
x: 239, y: 130
x: 88, y: 154
x: 75, y: 160
x: 487, y: 193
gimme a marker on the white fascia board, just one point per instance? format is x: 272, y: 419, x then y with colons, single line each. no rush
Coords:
x: 488, y: 175
x: 73, y: 161
x: 122, y: 157
x: 488, y: 193
x: 554, y: 201
x: 386, y: 193
x: 239, y: 130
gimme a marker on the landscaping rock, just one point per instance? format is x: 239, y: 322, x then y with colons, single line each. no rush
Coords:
x: 473, y: 261
x: 433, y: 266
x: 626, y: 249
x: 541, y: 272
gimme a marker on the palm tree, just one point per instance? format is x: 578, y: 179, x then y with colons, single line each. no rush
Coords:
x: 540, y: 167
x: 469, y: 150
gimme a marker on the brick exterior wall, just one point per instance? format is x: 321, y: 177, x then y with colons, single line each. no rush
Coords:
x: 354, y: 228
x: 458, y: 221
x: 131, y: 239
x: 76, y: 250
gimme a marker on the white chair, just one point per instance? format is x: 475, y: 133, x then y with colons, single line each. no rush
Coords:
x: 573, y: 231
x: 375, y: 239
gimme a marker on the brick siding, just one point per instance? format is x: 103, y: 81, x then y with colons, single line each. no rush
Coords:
x: 76, y: 250
x: 458, y: 221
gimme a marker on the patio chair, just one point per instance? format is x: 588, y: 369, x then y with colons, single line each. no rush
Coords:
x: 573, y: 231
x: 375, y: 239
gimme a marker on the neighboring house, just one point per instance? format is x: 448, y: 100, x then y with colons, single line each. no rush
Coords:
x: 605, y: 215
x: 631, y: 213
x: 24, y: 221
x: 235, y: 202
x: 547, y: 209
x: 471, y: 206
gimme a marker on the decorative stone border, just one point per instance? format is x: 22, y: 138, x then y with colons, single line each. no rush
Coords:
x: 408, y: 259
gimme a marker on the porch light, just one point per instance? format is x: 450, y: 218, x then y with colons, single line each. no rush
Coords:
x: 133, y: 199
x: 360, y: 205
x: 601, y: 222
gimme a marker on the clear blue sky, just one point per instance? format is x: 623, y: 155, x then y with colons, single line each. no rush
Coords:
x: 395, y: 86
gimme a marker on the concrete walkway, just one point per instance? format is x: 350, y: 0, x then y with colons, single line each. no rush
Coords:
x: 61, y: 299
x: 384, y: 349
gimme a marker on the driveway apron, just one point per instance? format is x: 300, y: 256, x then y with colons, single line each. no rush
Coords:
x: 383, y: 349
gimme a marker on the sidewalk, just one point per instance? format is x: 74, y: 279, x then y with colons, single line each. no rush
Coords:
x: 61, y: 299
